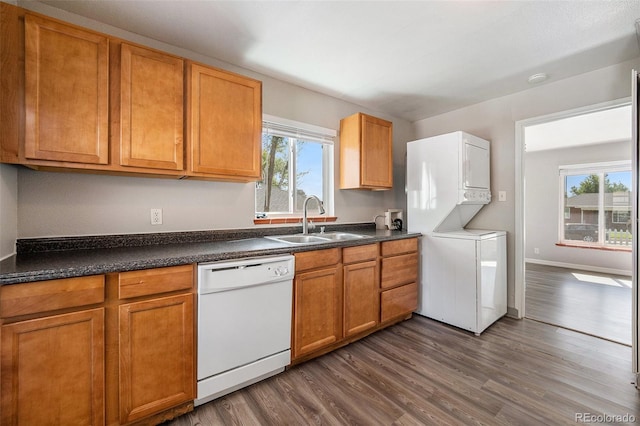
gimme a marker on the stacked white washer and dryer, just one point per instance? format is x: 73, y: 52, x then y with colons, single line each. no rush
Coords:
x: 463, y: 272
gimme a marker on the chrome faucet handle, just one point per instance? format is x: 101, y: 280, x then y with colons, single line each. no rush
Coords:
x: 305, y: 224
x: 322, y: 229
x: 311, y: 225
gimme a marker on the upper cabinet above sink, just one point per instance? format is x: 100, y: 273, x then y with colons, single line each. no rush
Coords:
x: 366, y: 160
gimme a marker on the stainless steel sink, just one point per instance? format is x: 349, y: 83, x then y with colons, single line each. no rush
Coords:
x: 343, y: 236
x: 299, y: 239
x: 315, y: 238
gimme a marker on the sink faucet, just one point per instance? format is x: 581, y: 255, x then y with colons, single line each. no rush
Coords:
x: 305, y: 224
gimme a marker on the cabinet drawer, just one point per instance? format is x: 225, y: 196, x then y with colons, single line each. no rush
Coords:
x: 391, y: 248
x: 44, y: 296
x: 398, y: 301
x: 398, y: 270
x: 359, y: 253
x: 317, y: 259
x: 154, y: 281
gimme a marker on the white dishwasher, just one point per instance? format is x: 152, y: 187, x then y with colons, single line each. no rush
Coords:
x: 244, y: 323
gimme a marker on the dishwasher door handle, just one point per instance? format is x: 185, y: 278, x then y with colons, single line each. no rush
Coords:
x: 233, y: 287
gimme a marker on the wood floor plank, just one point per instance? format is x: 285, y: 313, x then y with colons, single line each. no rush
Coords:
x: 422, y: 372
x: 594, y: 303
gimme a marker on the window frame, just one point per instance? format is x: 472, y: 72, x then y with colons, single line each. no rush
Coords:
x: 600, y: 169
x: 309, y: 133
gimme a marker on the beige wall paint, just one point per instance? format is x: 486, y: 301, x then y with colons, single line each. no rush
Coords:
x: 495, y: 120
x: 8, y: 209
x: 63, y: 204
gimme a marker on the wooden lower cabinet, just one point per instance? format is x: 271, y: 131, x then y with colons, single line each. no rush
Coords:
x: 398, y: 279
x: 317, y: 319
x: 361, y: 299
x: 341, y: 295
x: 52, y: 352
x: 150, y: 357
x: 53, y: 370
x: 116, y: 349
x: 361, y: 284
x: 398, y: 301
x: 156, y: 356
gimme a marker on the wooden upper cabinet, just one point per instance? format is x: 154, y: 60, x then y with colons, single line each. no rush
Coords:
x: 224, y: 124
x: 66, y: 93
x: 150, y: 109
x: 366, y: 158
x: 73, y: 98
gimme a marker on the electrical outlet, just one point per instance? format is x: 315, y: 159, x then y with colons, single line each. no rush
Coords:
x: 536, y: 250
x: 502, y: 195
x: 156, y: 216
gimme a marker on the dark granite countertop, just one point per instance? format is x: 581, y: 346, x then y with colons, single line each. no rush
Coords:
x: 54, y: 258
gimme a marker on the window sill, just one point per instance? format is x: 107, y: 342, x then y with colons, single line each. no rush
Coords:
x: 605, y: 248
x: 282, y: 220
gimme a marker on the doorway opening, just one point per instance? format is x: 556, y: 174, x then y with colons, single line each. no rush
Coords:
x: 573, y: 255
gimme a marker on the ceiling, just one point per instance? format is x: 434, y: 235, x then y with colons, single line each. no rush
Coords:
x: 408, y: 59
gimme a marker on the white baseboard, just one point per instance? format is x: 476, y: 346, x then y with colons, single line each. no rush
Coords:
x: 513, y: 313
x: 580, y: 267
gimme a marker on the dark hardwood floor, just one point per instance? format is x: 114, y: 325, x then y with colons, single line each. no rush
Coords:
x: 589, y: 302
x: 422, y: 372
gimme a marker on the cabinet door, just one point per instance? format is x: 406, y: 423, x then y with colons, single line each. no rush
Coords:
x: 151, y: 109
x: 366, y: 160
x: 66, y: 93
x: 317, y: 310
x: 53, y: 370
x: 156, y: 355
x: 361, y: 297
x: 377, y: 165
x: 225, y: 124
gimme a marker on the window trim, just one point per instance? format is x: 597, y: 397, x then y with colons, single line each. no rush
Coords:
x: 587, y: 168
x: 313, y: 133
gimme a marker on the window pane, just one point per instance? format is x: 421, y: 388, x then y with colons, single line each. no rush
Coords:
x: 581, y: 199
x: 308, y: 173
x: 272, y: 192
x: 617, y: 208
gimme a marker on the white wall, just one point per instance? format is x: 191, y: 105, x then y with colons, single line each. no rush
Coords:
x: 495, y: 120
x: 62, y: 204
x: 542, y: 207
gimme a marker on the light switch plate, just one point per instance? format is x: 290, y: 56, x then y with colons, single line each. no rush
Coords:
x: 502, y: 195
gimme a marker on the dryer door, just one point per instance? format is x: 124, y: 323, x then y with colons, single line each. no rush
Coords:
x: 476, y: 167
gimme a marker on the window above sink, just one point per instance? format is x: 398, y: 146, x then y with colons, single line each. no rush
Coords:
x: 298, y: 150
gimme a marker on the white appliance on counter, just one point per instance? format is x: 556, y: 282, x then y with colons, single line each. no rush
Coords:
x: 463, y: 276
x: 244, y: 323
